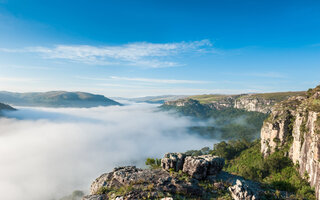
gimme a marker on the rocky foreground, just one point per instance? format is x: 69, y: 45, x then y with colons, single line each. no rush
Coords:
x: 178, y: 177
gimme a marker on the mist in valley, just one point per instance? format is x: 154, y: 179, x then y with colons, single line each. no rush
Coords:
x: 47, y: 153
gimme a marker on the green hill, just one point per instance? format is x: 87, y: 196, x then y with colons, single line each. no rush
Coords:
x: 56, y: 99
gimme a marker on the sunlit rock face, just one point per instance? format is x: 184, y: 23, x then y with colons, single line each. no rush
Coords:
x: 295, y: 124
x: 255, y: 104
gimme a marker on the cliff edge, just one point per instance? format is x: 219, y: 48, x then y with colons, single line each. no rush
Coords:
x: 294, y: 128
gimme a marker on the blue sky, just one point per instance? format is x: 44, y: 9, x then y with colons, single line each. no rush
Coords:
x: 154, y: 47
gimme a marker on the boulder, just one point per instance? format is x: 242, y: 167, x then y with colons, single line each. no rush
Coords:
x: 173, y: 161
x: 200, y: 167
x: 241, y: 191
x: 95, y: 197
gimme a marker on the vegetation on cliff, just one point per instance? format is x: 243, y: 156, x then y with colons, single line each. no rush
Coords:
x: 275, y: 172
x: 276, y: 96
x: 225, y: 124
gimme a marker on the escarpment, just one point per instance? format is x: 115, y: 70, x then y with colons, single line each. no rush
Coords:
x: 262, y: 102
x: 294, y: 128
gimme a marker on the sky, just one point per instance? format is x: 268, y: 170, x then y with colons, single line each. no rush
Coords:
x: 137, y: 48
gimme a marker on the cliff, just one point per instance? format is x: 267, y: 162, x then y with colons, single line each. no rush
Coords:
x: 294, y: 128
x: 251, y: 102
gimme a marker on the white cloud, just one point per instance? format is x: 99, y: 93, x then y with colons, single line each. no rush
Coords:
x: 46, y: 153
x: 143, y: 54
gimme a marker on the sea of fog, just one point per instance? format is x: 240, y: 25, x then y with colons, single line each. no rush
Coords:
x: 46, y: 153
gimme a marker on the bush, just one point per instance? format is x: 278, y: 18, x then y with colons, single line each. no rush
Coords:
x: 229, y: 150
x: 153, y: 163
x: 276, y: 171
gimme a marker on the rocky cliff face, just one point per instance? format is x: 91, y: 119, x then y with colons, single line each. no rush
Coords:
x: 254, y: 104
x: 294, y: 126
x: 250, y: 102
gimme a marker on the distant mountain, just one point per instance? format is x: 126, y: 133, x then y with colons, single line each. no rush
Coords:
x: 56, y: 99
x: 156, y: 99
x: 5, y: 107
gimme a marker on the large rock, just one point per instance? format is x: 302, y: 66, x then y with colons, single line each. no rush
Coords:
x: 241, y: 191
x: 119, y: 176
x: 140, y: 183
x: 199, y: 167
x: 173, y: 161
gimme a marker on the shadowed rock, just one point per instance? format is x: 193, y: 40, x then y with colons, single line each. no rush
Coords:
x: 173, y: 161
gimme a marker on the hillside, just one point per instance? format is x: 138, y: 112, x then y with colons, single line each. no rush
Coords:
x: 157, y: 99
x: 56, y: 99
x: 5, y: 107
x: 261, y: 102
x: 223, y: 124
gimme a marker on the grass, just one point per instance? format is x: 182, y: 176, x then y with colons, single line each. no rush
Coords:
x: 277, y: 96
x: 208, y: 98
x: 275, y: 172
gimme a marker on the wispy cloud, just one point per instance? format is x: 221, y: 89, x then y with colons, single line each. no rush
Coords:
x: 154, y: 55
x: 147, y: 80
x: 166, y: 81
x: 259, y: 74
x: 267, y: 75
x: 15, y: 79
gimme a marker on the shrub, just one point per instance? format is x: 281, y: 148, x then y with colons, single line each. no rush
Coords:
x: 153, y: 163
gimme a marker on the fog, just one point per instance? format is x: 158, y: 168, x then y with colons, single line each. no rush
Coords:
x: 46, y: 153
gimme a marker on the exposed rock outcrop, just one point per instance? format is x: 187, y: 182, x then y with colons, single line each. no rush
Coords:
x: 295, y: 125
x: 198, y: 167
x: 140, y: 183
x: 203, y: 179
x: 251, y: 103
x: 155, y: 183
